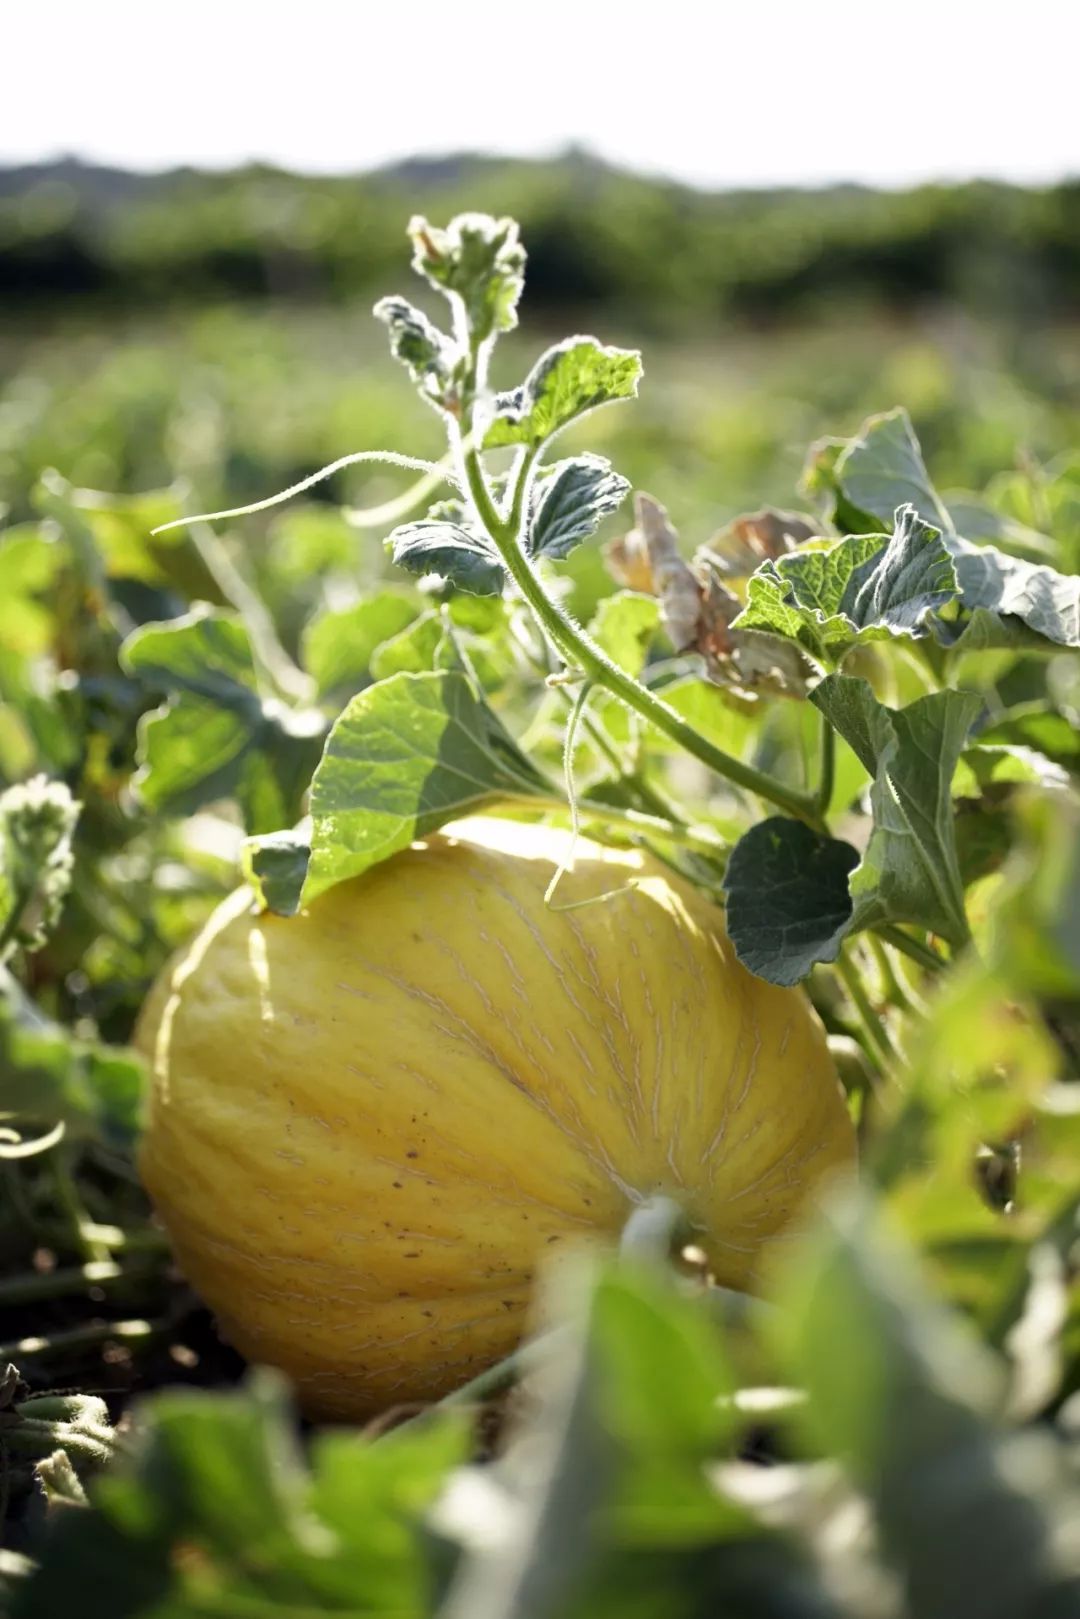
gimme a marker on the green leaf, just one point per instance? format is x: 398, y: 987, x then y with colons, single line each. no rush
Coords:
x: 984, y: 831
x: 788, y: 905
x: 1038, y: 725
x: 606, y: 1502
x: 193, y: 753
x: 216, y: 1513
x: 871, y: 474
x: 712, y: 711
x: 571, y: 378
x: 865, y: 588
x: 1019, y: 593
x: 48, y: 1077
x: 428, y: 354
x: 1036, y: 934
x: 275, y: 866
x: 468, y: 633
x: 478, y: 259
x: 216, y: 737
x: 205, y: 653
x: 406, y: 756
x: 420, y: 647
x: 112, y: 537
x: 982, y: 630
x: 464, y: 556
x: 904, y: 1393
x: 624, y: 627
x: 987, y: 763
x: 910, y: 870
x: 31, y: 561
x: 983, y: 525
x: 337, y: 646
x: 660, y: 1382
x: 985, y: 789
x: 570, y: 501
x: 867, y: 477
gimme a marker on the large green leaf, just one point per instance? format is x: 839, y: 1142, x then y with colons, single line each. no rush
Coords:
x: 910, y: 870
x: 1006, y: 600
x: 337, y: 645
x: 569, y: 379
x: 788, y: 904
x: 406, y: 756
x: 872, y: 474
x: 216, y: 736
x: 1017, y: 596
x: 867, y: 587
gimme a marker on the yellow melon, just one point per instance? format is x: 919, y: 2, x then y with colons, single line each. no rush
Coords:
x: 371, y: 1123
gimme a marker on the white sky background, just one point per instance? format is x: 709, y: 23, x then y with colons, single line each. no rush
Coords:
x: 756, y: 92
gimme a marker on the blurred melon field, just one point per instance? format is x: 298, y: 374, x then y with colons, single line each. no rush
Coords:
x: 819, y: 698
x: 218, y: 329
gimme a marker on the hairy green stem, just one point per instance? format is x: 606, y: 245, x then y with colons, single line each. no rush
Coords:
x: 650, y: 799
x: 579, y: 650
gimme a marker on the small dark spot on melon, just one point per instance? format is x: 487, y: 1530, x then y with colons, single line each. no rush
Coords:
x: 412, y: 1153
x: 410, y: 1256
x: 397, y: 1186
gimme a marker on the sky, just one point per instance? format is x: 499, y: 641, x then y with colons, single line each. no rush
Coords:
x: 757, y: 92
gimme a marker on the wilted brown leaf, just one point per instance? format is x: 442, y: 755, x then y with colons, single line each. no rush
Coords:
x: 696, y: 606
x: 648, y: 559
x: 756, y: 537
x: 627, y: 559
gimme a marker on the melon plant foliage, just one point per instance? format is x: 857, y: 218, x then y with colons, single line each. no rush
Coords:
x: 856, y: 727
